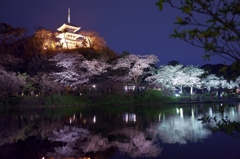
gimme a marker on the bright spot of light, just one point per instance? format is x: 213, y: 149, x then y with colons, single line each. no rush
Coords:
x: 94, y: 119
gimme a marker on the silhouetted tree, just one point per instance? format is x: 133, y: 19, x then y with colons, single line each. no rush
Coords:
x: 211, y: 25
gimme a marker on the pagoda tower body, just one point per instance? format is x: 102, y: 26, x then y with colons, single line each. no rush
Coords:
x: 69, y: 39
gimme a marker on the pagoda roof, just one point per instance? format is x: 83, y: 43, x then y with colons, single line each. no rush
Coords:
x: 68, y: 25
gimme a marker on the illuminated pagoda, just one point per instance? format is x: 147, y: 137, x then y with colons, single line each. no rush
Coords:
x: 69, y: 39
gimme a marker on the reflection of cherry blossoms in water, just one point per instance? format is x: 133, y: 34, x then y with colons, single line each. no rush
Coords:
x: 178, y: 130
x: 69, y: 136
x: 138, y: 145
x: 79, y: 142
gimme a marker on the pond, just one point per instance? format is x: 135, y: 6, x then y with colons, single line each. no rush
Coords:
x: 164, y: 132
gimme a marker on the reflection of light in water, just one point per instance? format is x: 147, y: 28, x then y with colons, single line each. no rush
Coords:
x: 177, y: 110
x: 134, y: 117
x: 181, y: 113
x: 84, y: 120
x: 94, y: 119
x: 232, y: 111
x: 159, y: 117
x: 126, y: 117
x: 210, y: 112
x: 192, y: 113
x: 178, y: 130
x: 130, y: 117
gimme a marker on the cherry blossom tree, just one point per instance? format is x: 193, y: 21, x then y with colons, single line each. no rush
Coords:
x: 76, y: 70
x: 70, y: 75
x: 178, y: 76
x: 136, y: 66
x: 211, y: 81
x: 169, y: 76
x: 10, y: 83
x: 238, y: 80
x: 46, y: 85
x: 228, y: 85
x: 192, y: 76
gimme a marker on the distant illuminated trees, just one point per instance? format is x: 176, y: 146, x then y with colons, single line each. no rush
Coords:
x: 137, y: 67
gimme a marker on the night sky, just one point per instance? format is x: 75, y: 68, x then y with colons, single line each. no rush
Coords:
x: 136, y: 26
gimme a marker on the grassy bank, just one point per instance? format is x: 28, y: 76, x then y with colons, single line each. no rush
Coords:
x: 55, y: 100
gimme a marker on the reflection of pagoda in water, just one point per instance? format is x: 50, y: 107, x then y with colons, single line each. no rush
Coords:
x: 69, y: 39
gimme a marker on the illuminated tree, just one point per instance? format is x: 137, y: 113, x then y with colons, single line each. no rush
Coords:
x: 43, y: 39
x: 46, y: 85
x: 225, y: 84
x: 211, y: 81
x: 178, y: 76
x: 169, y: 76
x: 137, y: 67
x: 70, y: 74
x: 10, y: 83
x: 93, y: 40
x: 211, y: 25
x: 76, y: 70
x: 238, y: 80
x: 192, y: 77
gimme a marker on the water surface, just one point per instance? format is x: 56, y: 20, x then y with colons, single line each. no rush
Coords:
x: 164, y: 132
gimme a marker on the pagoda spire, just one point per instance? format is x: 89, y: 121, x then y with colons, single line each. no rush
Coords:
x: 69, y: 15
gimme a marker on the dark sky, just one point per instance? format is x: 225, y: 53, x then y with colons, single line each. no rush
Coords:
x: 136, y: 26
